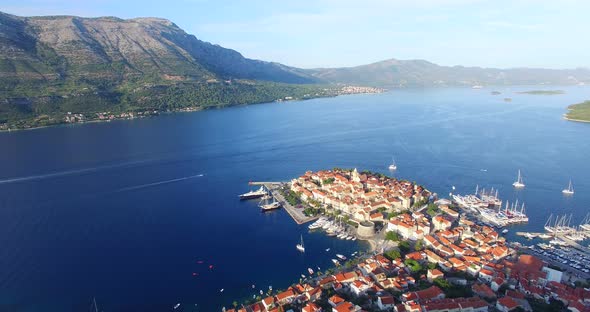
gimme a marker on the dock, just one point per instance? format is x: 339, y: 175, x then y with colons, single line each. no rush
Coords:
x: 297, y: 214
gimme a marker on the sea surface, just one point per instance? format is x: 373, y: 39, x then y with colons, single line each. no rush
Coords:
x: 144, y: 214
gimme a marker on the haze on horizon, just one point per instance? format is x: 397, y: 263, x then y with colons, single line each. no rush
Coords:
x: 337, y: 33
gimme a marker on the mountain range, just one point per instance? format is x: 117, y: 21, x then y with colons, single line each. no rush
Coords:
x: 50, y: 65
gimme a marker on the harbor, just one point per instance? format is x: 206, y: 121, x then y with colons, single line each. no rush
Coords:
x: 273, y: 189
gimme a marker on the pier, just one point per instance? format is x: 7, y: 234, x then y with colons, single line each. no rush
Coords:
x: 295, y: 213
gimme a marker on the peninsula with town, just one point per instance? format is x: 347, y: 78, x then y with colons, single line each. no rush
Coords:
x: 427, y: 254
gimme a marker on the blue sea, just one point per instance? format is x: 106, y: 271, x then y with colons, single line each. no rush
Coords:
x: 144, y: 214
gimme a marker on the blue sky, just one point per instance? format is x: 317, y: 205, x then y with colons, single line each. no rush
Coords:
x: 328, y: 33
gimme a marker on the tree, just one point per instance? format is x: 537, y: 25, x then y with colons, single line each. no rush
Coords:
x: 392, y: 254
x: 392, y: 236
x: 404, y: 246
x: 419, y: 245
x: 413, y: 265
x: 442, y: 283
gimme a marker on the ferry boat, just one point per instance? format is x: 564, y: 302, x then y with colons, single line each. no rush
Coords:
x: 254, y: 194
x: 300, y: 246
x: 569, y: 190
x: 393, y: 166
x: 518, y: 183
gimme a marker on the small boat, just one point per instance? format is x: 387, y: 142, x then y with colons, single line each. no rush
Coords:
x: 348, y: 237
x: 254, y: 194
x: 544, y: 236
x: 221, y: 290
x: 310, y: 271
x: 327, y: 249
x: 393, y: 166
x: 300, y: 246
x: 261, y: 292
x: 342, y: 257
x: 302, y: 276
x: 336, y: 262
x: 353, y: 238
x: 504, y: 231
x: 268, y: 206
x: 569, y: 190
x: 319, y: 269
x: 518, y: 183
x: 176, y: 306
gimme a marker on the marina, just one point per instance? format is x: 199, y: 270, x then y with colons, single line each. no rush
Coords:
x: 272, y: 189
x: 486, y: 205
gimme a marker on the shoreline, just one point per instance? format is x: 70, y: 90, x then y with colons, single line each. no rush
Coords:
x: 185, y: 110
x: 575, y: 120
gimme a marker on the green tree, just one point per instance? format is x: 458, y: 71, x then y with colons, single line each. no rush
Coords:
x: 404, y: 246
x: 419, y: 245
x: 442, y: 283
x: 392, y: 236
x: 392, y: 254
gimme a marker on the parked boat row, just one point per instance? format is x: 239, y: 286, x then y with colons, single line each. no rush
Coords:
x: 332, y: 228
x: 487, y: 205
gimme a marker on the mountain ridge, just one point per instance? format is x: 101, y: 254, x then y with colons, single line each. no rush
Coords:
x: 52, y: 65
x: 417, y: 72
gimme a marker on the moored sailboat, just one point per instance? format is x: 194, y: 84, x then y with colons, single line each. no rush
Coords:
x: 266, y: 206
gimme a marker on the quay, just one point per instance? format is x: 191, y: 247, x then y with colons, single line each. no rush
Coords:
x: 295, y: 213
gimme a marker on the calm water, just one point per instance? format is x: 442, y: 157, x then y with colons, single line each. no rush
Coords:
x: 124, y: 211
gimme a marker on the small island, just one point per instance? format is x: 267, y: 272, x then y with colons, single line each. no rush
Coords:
x: 578, y: 112
x: 543, y: 92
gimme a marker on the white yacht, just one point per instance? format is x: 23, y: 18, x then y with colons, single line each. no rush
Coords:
x: 254, y: 194
x: 393, y: 166
x: 569, y: 190
x: 300, y: 246
x: 518, y: 183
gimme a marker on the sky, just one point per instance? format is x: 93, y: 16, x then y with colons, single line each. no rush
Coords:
x: 338, y: 33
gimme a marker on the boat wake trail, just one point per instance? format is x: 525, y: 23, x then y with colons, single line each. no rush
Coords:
x: 69, y: 172
x: 137, y: 187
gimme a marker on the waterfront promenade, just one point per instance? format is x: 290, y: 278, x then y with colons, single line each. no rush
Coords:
x: 295, y: 213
